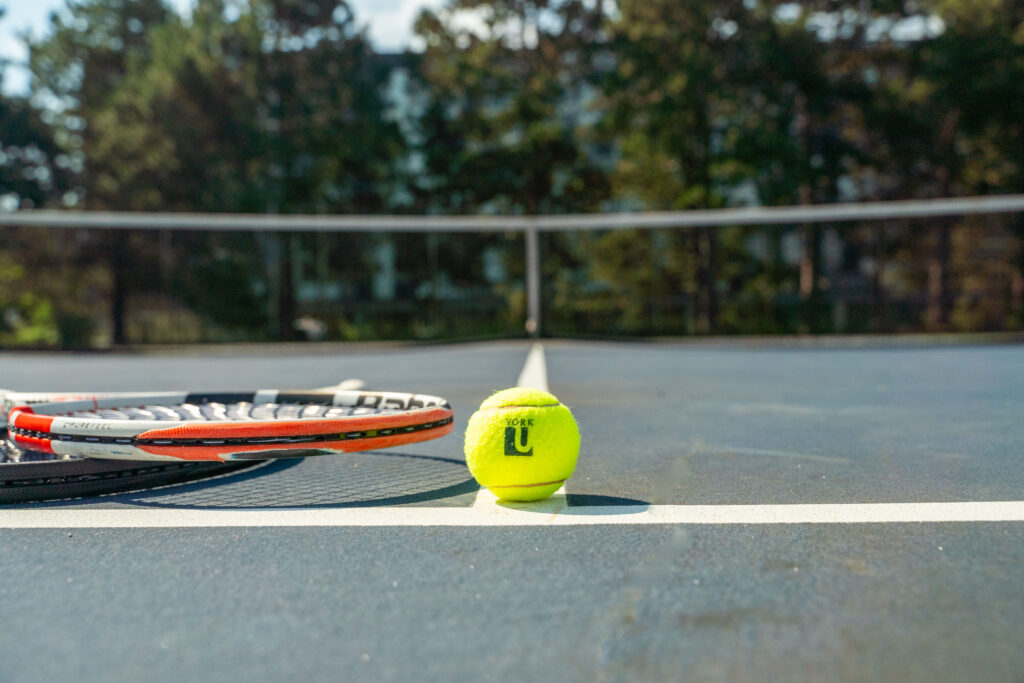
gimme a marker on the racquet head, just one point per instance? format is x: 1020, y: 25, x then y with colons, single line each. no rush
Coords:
x: 27, y: 476
x: 258, y: 425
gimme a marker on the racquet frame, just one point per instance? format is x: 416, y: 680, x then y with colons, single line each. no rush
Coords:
x: 380, y: 420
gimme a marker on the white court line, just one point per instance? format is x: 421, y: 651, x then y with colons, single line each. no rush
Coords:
x: 485, y: 500
x: 552, y: 512
x: 535, y: 370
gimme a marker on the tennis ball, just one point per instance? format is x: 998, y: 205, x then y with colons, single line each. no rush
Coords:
x: 522, y: 444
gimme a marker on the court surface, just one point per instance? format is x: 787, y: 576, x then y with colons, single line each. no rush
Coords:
x: 740, y: 511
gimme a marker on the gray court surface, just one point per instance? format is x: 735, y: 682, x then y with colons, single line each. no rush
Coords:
x: 759, y: 428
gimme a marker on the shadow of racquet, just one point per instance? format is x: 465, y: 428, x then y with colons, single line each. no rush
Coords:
x: 374, y: 478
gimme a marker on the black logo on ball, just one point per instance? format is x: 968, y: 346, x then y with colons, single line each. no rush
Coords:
x: 517, y: 437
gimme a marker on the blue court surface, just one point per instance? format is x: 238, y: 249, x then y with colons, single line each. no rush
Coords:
x: 741, y: 511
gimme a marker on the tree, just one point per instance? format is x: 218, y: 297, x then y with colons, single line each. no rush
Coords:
x: 670, y: 83
x: 33, y: 171
x: 78, y: 70
x: 507, y: 114
x: 255, y: 106
x: 506, y: 122
x: 976, y: 68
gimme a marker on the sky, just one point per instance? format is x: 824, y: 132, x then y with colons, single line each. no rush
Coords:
x: 389, y: 23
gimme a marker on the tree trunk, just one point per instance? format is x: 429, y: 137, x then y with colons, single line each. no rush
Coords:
x: 120, y: 265
x: 810, y: 268
x: 938, y: 281
x: 286, y: 309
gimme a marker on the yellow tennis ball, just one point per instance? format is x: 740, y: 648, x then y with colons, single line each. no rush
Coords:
x: 522, y: 444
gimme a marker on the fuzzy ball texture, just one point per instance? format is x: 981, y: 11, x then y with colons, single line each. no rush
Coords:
x: 522, y: 444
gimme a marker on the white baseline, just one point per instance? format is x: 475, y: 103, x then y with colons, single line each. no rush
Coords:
x: 553, y: 512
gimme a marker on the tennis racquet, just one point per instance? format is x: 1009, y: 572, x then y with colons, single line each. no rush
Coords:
x: 28, y: 476
x: 220, y: 427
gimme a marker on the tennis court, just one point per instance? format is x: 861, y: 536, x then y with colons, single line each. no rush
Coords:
x: 262, y: 260
x: 744, y: 510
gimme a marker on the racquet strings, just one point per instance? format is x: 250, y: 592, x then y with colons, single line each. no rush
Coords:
x: 228, y: 412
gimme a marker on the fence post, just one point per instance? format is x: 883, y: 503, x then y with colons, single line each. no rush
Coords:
x: 533, y: 320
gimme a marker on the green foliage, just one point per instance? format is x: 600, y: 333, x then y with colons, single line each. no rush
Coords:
x: 26, y: 318
x: 505, y: 124
x: 32, y: 169
x: 256, y: 106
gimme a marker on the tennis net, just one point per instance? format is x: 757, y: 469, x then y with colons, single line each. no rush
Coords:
x: 78, y: 279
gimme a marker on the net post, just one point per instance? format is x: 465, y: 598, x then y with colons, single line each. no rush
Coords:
x: 533, y: 323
